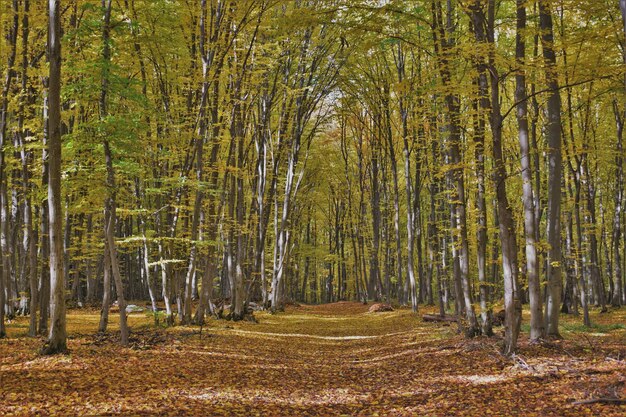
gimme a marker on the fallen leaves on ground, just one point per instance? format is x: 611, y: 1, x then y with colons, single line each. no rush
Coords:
x: 334, y: 359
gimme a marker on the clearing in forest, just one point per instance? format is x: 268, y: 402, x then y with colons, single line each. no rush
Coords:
x: 334, y: 359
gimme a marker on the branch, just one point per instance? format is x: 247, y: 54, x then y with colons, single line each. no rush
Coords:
x: 615, y: 401
x: 536, y: 93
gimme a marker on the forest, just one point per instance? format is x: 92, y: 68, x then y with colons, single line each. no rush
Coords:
x: 312, y: 207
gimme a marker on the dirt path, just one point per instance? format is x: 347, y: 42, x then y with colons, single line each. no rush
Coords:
x: 323, y: 360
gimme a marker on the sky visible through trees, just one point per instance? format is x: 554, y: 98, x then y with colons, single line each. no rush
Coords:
x: 218, y: 160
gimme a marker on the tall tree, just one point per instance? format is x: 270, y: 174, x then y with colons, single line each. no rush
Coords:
x: 110, y: 205
x: 553, y: 135
x: 4, y: 110
x: 444, y: 40
x: 58, y: 334
x: 532, y: 266
x: 620, y: 116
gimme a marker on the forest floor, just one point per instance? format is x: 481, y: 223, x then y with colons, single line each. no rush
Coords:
x: 333, y: 359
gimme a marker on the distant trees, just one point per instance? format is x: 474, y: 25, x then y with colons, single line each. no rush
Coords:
x: 236, y: 153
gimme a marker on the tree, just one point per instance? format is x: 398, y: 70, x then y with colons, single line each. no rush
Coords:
x: 110, y: 206
x: 521, y: 98
x: 57, y: 337
x: 553, y: 134
x: 444, y: 38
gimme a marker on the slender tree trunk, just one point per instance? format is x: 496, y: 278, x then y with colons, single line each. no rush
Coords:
x: 512, y: 304
x: 110, y: 206
x: 44, y: 293
x: 396, y: 199
x: 106, y: 291
x: 618, y: 293
x: 4, y: 108
x: 33, y: 281
x: 595, y: 286
x: 57, y: 337
x: 195, y: 222
x: 481, y: 108
x: 410, y: 213
x: 580, y: 265
x: 553, y: 133
x: 26, y: 156
x: 239, y: 309
x: 375, y: 282
x: 620, y: 117
x: 532, y: 261
x: 444, y: 38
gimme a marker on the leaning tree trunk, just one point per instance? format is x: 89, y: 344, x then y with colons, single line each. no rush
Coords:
x: 110, y: 205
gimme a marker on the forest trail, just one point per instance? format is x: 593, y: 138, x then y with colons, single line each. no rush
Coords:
x: 334, y: 359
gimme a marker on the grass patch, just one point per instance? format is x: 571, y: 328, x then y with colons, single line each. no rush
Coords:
x: 594, y: 328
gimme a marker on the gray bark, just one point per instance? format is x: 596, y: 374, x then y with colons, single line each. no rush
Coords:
x: 553, y: 133
x: 410, y: 214
x: 532, y: 261
x: 57, y: 336
x: 4, y: 107
x: 110, y: 206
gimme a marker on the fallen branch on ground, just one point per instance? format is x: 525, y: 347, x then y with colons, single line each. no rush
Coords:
x: 436, y: 318
x: 615, y: 401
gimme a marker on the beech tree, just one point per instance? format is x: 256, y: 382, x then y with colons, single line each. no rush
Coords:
x: 58, y: 334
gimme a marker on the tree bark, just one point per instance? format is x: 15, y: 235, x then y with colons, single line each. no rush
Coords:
x: 57, y: 337
x: 110, y: 205
x: 553, y: 133
x: 532, y: 261
x: 444, y: 42
x: 512, y: 304
x: 4, y: 108
x: 481, y: 107
x: 410, y: 213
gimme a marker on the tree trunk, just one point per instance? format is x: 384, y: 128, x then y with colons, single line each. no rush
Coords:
x: 481, y: 107
x: 110, y: 206
x: 620, y: 117
x: 553, y: 133
x: 532, y: 262
x: 44, y: 293
x: 106, y: 293
x: 375, y: 287
x: 4, y: 107
x: 57, y: 337
x: 444, y: 39
x: 396, y: 199
x: 410, y: 213
x: 512, y: 304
